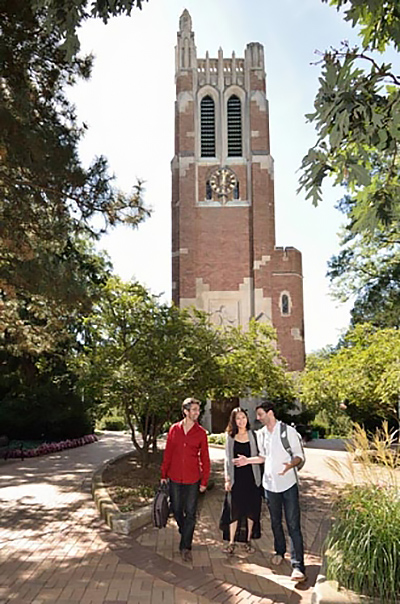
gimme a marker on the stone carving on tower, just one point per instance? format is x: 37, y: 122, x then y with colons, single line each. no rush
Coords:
x: 224, y: 257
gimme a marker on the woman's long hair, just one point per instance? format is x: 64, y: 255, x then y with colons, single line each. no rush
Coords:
x: 232, y: 428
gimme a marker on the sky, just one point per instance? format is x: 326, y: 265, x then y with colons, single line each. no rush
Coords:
x: 128, y: 105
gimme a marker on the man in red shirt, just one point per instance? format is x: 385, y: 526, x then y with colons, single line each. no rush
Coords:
x: 186, y: 464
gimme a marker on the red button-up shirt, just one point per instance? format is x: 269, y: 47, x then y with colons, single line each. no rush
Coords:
x: 186, y: 458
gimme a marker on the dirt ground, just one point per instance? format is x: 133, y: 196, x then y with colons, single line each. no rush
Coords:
x: 130, y: 484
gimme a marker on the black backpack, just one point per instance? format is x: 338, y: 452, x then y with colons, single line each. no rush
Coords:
x: 160, y: 506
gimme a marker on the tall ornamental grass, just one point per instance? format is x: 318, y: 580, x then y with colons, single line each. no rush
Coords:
x: 363, y: 545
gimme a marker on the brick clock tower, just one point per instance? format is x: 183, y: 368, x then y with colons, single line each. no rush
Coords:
x: 224, y: 258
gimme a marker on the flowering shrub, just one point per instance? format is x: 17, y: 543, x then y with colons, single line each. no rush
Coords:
x: 45, y: 448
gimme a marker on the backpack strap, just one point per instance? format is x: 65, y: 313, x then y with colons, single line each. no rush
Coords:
x: 285, y: 440
x: 286, y: 446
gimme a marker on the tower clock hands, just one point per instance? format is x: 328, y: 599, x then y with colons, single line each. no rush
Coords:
x: 223, y: 181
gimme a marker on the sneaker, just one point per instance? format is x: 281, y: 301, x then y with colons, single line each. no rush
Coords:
x: 277, y: 559
x: 187, y: 555
x: 297, y: 575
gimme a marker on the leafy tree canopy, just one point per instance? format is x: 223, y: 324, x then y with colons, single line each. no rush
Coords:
x: 379, y: 20
x: 357, y: 118
x: 145, y: 357
x: 362, y: 375
x: 66, y: 16
x: 251, y: 366
x: 367, y: 270
x: 49, y: 203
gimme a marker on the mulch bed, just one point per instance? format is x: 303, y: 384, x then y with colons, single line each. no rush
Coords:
x: 132, y: 485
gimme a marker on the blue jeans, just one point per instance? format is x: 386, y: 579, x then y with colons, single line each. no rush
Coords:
x: 184, y: 499
x: 288, y: 501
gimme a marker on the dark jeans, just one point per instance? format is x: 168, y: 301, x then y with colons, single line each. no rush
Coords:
x: 289, y: 501
x: 184, y: 499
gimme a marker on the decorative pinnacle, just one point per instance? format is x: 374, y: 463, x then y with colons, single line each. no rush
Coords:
x: 185, y: 22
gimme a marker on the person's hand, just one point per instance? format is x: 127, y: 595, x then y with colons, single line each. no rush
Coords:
x: 240, y: 460
x: 202, y: 488
x: 228, y: 486
x: 287, y: 467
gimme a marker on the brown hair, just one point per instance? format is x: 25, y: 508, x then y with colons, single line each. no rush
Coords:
x: 188, y: 402
x: 266, y: 406
x: 232, y: 428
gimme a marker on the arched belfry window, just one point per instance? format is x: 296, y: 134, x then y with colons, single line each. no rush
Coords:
x: 207, y: 127
x: 285, y: 304
x: 234, y: 126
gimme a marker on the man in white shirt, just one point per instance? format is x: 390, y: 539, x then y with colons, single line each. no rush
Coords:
x: 280, y: 485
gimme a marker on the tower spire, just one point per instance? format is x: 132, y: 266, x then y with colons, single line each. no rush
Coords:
x: 185, y: 49
x: 185, y: 22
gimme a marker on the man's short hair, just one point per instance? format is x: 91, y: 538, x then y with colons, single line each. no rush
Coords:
x: 188, y: 402
x: 266, y: 406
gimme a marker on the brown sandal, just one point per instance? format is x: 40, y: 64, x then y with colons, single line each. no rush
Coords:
x: 249, y: 548
x: 229, y: 549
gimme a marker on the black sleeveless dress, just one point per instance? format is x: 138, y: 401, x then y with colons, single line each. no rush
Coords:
x: 243, y: 501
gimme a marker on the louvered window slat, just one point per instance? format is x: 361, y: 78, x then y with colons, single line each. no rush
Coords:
x: 207, y: 128
x: 234, y: 127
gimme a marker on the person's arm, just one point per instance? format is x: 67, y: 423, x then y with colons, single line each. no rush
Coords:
x: 290, y: 465
x: 227, y: 461
x: 167, y: 457
x: 205, y: 462
x: 242, y: 460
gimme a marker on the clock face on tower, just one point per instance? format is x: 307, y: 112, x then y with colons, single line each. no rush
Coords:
x: 223, y: 181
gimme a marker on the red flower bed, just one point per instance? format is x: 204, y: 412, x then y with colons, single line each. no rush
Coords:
x: 46, y: 448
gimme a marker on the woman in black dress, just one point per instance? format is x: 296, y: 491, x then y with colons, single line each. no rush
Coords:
x: 242, y: 484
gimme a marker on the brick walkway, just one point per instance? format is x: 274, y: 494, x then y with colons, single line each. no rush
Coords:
x: 55, y: 549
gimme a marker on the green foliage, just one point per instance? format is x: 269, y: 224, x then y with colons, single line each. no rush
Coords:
x: 367, y: 270
x: 51, y: 211
x: 143, y: 358
x: 318, y: 426
x: 360, y: 379
x: 252, y: 366
x: 379, y: 20
x: 217, y: 439
x: 112, y: 422
x: 45, y: 413
x: 333, y: 425
x: 38, y: 393
x: 65, y: 17
x: 49, y: 203
x: 357, y: 119
x: 362, y: 545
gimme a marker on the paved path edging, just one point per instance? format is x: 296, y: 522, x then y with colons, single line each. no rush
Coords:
x: 119, y: 522
x: 328, y: 592
x: 123, y: 523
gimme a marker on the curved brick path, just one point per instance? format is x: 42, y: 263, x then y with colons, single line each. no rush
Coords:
x: 55, y: 549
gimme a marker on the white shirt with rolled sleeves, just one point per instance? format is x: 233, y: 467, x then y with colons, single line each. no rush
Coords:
x: 270, y: 446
